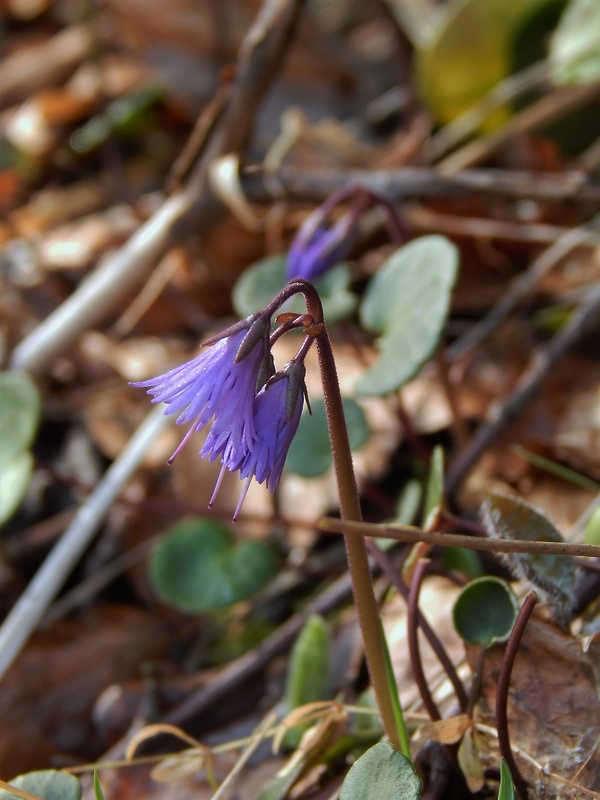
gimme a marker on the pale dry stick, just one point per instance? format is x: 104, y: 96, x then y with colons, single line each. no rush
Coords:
x: 424, y: 219
x: 104, y: 289
x: 262, y: 184
x: 584, y: 319
x: 410, y: 534
x: 544, y: 111
x: 417, y: 18
x: 193, y: 207
x: 259, y: 735
x: 47, y: 582
x: 520, y: 287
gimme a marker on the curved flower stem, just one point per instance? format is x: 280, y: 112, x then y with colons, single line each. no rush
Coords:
x: 510, y: 654
x: 358, y: 562
x: 413, y: 640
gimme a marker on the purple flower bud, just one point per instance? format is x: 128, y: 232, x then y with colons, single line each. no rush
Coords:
x: 277, y: 410
x: 318, y: 246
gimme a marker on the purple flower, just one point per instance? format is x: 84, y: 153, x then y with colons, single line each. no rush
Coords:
x: 322, y: 242
x: 221, y: 382
x: 318, y: 246
x: 277, y: 409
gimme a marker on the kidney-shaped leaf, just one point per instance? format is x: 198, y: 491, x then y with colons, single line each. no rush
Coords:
x: 407, y: 302
x: 198, y: 566
x: 485, y: 611
x: 310, y: 452
x: 509, y: 517
x: 46, y: 784
x: 382, y: 773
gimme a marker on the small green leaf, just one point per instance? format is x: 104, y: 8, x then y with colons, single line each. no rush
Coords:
x: 14, y: 480
x: 20, y: 405
x: 407, y: 301
x: 461, y: 559
x: 469, y: 761
x: 408, y: 503
x: 382, y: 773
x: 261, y: 281
x: 198, y: 566
x: 98, y: 793
x: 434, y: 499
x: 469, y: 53
x: 46, y: 784
x: 310, y: 452
x: 485, y: 611
x: 507, y: 517
x: 574, y: 49
x: 308, y: 677
x: 507, y: 787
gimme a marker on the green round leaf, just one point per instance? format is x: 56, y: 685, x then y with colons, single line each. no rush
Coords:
x: 310, y: 452
x: 46, y: 784
x: 407, y: 301
x: 14, y: 480
x: 198, y: 566
x: 382, y: 773
x: 260, y: 282
x: 469, y: 53
x: 574, y: 53
x: 485, y: 611
x: 19, y: 413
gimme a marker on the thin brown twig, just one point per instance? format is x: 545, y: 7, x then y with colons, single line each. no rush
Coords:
x: 510, y: 653
x: 549, y: 108
x: 263, y: 185
x: 519, y: 288
x: 413, y: 640
x: 410, y: 534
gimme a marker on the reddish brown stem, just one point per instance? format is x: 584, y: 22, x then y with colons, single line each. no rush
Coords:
x: 438, y: 648
x: 413, y: 640
x: 512, y: 647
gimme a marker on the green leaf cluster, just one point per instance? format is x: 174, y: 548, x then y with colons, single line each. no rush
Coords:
x: 198, y: 566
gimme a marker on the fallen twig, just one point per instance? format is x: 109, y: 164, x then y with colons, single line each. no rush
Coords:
x: 411, y: 534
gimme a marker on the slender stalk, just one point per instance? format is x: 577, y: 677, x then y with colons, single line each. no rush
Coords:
x: 410, y: 534
x: 510, y: 654
x: 367, y: 611
x: 413, y: 641
x: 394, y: 576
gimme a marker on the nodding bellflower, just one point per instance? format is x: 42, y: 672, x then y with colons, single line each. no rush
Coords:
x: 254, y: 410
x: 220, y: 383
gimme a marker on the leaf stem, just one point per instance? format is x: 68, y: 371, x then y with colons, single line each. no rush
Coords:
x: 413, y: 640
x: 510, y: 653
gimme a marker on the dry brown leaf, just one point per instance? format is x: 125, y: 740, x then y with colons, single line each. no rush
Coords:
x: 554, y: 709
